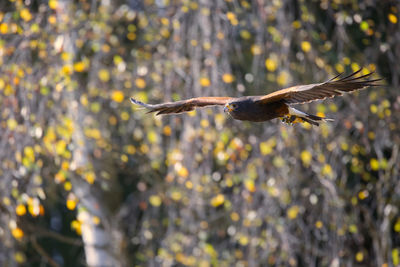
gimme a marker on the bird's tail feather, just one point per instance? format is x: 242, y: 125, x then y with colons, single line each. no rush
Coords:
x: 312, y: 119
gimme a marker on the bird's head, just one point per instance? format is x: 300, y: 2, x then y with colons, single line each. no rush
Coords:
x: 231, y: 107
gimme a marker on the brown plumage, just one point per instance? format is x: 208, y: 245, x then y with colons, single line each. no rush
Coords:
x: 273, y: 105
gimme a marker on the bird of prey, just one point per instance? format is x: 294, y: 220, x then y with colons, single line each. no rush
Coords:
x: 274, y: 105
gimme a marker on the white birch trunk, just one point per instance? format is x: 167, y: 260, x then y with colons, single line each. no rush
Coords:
x: 97, y: 235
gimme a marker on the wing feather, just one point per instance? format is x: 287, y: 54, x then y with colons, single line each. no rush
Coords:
x: 183, y: 105
x: 318, y: 91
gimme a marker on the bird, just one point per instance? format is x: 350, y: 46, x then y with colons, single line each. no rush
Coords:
x: 278, y: 104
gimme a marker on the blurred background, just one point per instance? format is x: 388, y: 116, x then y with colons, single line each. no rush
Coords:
x: 88, y: 179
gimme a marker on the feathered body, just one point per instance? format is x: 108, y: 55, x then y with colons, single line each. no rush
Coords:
x: 273, y: 105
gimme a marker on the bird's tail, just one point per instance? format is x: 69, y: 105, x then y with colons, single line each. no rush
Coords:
x: 312, y: 119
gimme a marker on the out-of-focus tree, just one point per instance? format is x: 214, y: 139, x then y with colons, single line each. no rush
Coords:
x: 87, y: 179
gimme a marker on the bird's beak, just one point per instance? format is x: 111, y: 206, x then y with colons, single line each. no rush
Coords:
x: 228, y: 108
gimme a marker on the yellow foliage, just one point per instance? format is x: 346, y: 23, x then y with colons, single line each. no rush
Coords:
x: 130, y: 149
x: 235, y: 216
x: 249, y: 184
x: 6, y: 201
x: 90, y: 177
x: 353, y: 228
x: 230, y: 15
x: 176, y: 195
x: 243, y: 240
x: 306, y: 157
x: 67, y: 69
x: 278, y: 161
x: 359, y: 256
x: 152, y: 136
x: 283, y: 78
x: 296, y: 24
x: 20, y: 257
x: 167, y: 130
x: 104, y: 75
x: 204, y: 123
x: 17, y: 233
x: 60, y: 177
x: 79, y: 66
x: 205, y: 82
x: 29, y: 153
x: 140, y: 83
x: 164, y: 21
x: 112, y: 120
x: 189, y: 185
x: 207, y: 46
x: 25, y: 14
x: 155, y: 200
x: 363, y: 194
x: 245, y: 34
x: 339, y: 68
x: 305, y: 46
x: 124, y: 158
x: 327, y: 170
x: 3, y: 28
x: 77, y: 226
x: 53, y: 4
x: 66, y: 56
x: 117, y: 96
x: 217, y: 200
x: 374, y: 163
x: 395, y: 257
x: 71, y: 204
x: 319, y: 224
x: 61, y: 146
x: 193, y: 42
x: 12, y: 124
x: 256, y: 50
x: 96, y: 220
x: 228, y: 78
x: 271, y: 64
x: 292, y: 212
x: 20, y: 210
x: 92, y: 133
x: 182, y: 171
x: 125, y: 115
x: 67, y: 186
x: 392, y: 18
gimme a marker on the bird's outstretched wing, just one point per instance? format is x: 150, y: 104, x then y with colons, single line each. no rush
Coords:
x: 310, y: 92
x: 183, y: 105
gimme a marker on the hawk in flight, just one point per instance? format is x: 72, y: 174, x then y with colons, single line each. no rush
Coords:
x: 274, y: 105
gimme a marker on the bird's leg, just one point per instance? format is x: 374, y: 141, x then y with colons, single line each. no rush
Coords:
x: 288, y: 119
x: 292, y: 118
x: 285, y: 119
